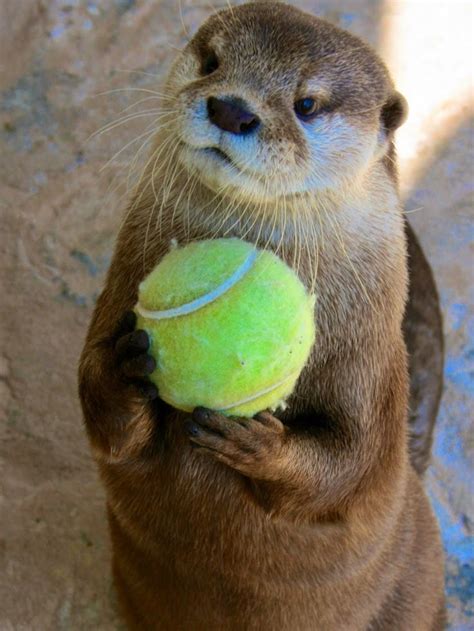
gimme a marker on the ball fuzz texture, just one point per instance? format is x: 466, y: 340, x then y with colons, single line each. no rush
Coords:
x: 231, y: 327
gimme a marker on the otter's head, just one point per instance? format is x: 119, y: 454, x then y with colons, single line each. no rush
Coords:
x: 274, y: 101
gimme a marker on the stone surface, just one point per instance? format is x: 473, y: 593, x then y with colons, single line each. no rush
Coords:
x: 60, y: 213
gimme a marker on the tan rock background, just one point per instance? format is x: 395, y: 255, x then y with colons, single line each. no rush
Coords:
x: 59, y: 215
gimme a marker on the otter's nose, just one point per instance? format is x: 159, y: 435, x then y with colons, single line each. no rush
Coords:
x: 231, y: 116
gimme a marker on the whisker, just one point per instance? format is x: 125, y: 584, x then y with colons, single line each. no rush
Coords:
x: 128, y: 118
x: 167, y: 184
x: 337, y: 232
x: 161, y: 95
x: 181, y: 16
x: 413, y: 210
x: 140, y: 72
x: 131, y: 142
x: 144, y: 100
x: 155, y: 204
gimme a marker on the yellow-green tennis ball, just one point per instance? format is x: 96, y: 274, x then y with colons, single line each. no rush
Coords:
x: 231, y: 327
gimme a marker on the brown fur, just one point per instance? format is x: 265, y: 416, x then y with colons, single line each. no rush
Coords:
x: 423, y: 332
x: 314, y: 520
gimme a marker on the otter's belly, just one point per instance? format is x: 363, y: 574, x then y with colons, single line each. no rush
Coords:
x: 193, y: 550
x: 200, y: 581
x: 194, y: 514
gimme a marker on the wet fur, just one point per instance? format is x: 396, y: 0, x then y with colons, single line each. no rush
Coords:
x: 316, y: 519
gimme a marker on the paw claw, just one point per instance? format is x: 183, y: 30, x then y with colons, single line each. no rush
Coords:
x: 126, y: 324
x: 201, y: 414
x: 191, y: 428
x: 147, y: 390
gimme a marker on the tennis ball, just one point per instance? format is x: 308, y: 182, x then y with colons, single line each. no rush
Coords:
x: 231, y: 327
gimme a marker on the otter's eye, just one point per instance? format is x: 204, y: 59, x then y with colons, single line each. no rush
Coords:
x: 305, y: 108
x: 210, y: 63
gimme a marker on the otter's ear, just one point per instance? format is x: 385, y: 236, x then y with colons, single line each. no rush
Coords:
x: 394, y: 112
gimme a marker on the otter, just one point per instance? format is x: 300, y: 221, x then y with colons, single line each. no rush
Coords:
x: 279, y: 130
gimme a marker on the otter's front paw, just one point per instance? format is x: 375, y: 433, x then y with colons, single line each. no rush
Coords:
x: 252, y: 446
x: 132, y: 360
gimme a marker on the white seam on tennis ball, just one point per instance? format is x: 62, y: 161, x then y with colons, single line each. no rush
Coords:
x: 202, y: 301
x: 259, y: 394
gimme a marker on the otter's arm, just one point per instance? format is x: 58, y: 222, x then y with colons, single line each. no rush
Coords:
x: 113, y: 387
x: 307, y: 476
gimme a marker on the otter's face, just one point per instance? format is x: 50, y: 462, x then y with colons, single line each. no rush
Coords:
x: 274, y: 101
